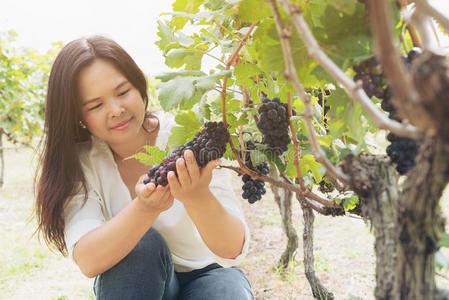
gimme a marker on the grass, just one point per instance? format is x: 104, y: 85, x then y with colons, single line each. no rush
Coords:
x: 344, y: 255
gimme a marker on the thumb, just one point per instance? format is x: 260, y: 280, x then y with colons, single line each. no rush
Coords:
x: 212, y: 165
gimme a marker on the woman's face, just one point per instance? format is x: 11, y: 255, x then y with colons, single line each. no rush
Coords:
x: 112, y: 108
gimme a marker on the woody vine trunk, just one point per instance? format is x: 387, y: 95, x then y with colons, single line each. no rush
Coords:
x: 420, y: 224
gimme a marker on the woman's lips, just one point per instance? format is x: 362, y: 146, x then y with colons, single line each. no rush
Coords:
x: 123, y: 125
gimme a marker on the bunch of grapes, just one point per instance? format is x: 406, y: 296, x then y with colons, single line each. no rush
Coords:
x: 207, y: 145
x: 273, y: 123
x: 253, y: 189
x: 325, y: 186
x: 370, y: 73
x: 402, y: 151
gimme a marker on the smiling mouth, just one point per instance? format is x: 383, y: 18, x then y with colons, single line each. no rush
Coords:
x: 122, y: 125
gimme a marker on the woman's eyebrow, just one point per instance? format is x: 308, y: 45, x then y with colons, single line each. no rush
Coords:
x: 116, y: 88
x: 120, y: 84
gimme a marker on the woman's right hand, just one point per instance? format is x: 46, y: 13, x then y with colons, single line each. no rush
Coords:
x: 152, y: 198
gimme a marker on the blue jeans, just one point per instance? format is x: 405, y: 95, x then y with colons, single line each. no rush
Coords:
x: 147, y: 272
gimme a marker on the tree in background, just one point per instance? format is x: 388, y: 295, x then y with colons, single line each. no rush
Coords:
x: 23, y: 82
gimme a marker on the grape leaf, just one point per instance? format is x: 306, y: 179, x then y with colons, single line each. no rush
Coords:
x: 254, y: 10
x: 346, y: 6
x: 190, y: 58
x: 152, y: 155
x: 184, y: 92
x: 188, y: 126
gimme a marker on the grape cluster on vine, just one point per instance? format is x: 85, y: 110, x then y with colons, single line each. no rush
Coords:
x: 207, y: 145
x: 253, y: 189
x: 273, y: 124
x: 402, y: 151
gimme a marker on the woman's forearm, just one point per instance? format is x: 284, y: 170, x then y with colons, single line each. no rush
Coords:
x: 222, y: 232
x: 105, y: 246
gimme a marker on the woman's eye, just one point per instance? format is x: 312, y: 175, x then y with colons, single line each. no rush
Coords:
x: 121, y: 94
x: 94, y: 107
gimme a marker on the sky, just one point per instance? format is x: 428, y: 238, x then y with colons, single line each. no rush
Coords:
x: 132, y: 23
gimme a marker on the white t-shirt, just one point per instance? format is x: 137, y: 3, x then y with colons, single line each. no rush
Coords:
x: 108, y: 194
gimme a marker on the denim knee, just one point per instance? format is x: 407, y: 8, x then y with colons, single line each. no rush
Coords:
x: 143, y: 274
x: 219, y: 284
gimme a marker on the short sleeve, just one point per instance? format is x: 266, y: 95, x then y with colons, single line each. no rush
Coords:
x: 81, y: 216
x: 221, y: 187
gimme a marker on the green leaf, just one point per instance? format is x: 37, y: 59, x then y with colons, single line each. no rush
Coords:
x: 184, y: 92
x: 341, y: 29
x: 168, y: 38
x: 189, y: 125
x: 188, y: 119
x: 346, y: 6
x: 190, y: 6
x: 246, y: 73
x: 254, y: 10
x: 166, y: 35
x: 279, y: 163
x: 307, y: 163
x: 444, y: 242
x: 257, y: 157
x: 182, y: 73
x: 190, y: 58
x: 153, y: 155
x: 348, y: 200
x: 270, y: 57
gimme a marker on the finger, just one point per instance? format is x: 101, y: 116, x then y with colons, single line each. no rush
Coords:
x: 166, y: 196
x: 168, y: 201
x: 183, y: 174
x: 209, y: 168
x: 173, y: 182
x: 160, y: 190
x: 141, y: 178
x: 145, y: 190
x: 192, y: 166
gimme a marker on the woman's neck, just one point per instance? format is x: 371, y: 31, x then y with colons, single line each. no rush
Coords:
x: 145, y: 137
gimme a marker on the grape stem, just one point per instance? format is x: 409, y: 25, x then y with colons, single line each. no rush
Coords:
x: 355, y: 90
x: 287, y: 184
x: 406, y: 98
x: 229, y: 63
x: 295, y: 144
x: 290, y: 74
x: 411, y: 29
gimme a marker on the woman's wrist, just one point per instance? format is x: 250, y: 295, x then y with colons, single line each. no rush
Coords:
x: 198, y: 198
x: 145, y: 208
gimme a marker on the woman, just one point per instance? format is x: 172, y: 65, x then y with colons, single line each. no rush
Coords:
x: 181, y: 241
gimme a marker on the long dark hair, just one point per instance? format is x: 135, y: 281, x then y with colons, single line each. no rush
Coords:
x: 59, y: 174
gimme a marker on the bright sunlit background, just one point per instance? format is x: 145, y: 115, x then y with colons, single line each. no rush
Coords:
x: 131, y: 23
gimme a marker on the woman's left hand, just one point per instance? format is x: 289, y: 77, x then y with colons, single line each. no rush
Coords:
x: 191, y: 182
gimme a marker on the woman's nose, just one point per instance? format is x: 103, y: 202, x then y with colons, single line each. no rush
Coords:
x: 116, y: 109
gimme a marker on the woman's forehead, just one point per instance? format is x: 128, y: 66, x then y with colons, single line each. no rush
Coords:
x: 99, y: 77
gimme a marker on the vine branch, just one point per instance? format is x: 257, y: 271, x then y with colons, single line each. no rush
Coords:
x: 406, y: 99
x: 290, y: 74
x: 411, y: 29
x: 229, y: 63
x: 355, y: 90
x: 295, y: 144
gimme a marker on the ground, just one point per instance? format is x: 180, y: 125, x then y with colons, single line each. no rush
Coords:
x: 344, y: 259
